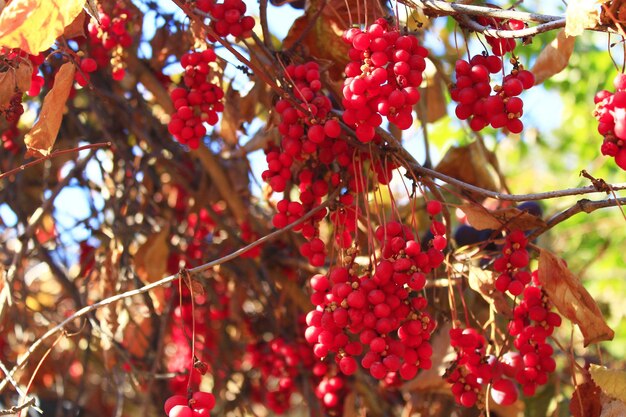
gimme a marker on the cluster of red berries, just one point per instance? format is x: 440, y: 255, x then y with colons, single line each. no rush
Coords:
x: 532, y: 324
x: 511, y: 265
x: 382, y: 78
x: 9, y: 136
x: 13, y: 109
x: 198, y: 404
x: 499, y: 107
x: 228, y: 18
x: 611, y: 115
x: 279, y: 364
x: 381, y: 316
x: 198, y: 101
x: 109, y: 38
x: 331, y: 391
x: 529, y: 364
x: 501, y: 46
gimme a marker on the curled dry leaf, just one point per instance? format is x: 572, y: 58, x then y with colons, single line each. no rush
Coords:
x: 581, y: 15
x: 553, y: 58
x: 483, y: 282
x: 512, y: 218
x: 611, y: 381
x: 23, y: 75
x: 13, y: 79
x: 41, y: 137
x: 34, y: 25
x: 572, y: 299
x: 468, y: 164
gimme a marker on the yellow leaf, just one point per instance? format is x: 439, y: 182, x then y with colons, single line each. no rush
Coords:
x: 554, y: 58
x: 33, y: 25
x: 612, y: 382
x: 581, y: 15
x: 41, y: 137
x: 572, y: 299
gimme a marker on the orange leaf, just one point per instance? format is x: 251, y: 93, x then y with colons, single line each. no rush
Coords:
x: 512, y: 218
x: 33, y: 25
x: 572, y: 299
x: 41, y: 137
x: 554, y: 58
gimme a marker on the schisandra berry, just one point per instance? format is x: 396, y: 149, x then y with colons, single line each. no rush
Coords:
x: 228, y: 17
x: 197, y: 101
x: 382, y: 78
x: 610, y: 112
x: 483, y: 105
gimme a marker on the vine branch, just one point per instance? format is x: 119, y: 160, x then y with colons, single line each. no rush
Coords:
x: 192, y: 272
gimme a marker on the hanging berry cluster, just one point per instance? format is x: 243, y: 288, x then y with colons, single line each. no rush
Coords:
x: 109, y: 38
x: 530, y: 362
x: 228, y: 17
x: 483, y: 105
x: 197, y: 101
x: 382, y: 78
x: 379, y: 317
x: 611, y: 115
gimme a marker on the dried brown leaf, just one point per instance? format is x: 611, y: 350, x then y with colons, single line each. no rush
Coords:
x: 77, y: 27
x: 151, y: 263
x: 553, y: 58
x: 585, y: 401
x: 581, y: 15
x: 612, y: 408
x: 23, y: 75
x: 433, y: 98
x: 484, y: 283
x: 572, y: 299
x: 468, y: 164
x: 7, y: 86
x: 319, y: 33
x: 611, y: 381
x: 512, y: 218
x: 231, y: 117
x: 40, y: 140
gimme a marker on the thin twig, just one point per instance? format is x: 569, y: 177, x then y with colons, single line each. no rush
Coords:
x: 53, y: 155
x: 584, y: 205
